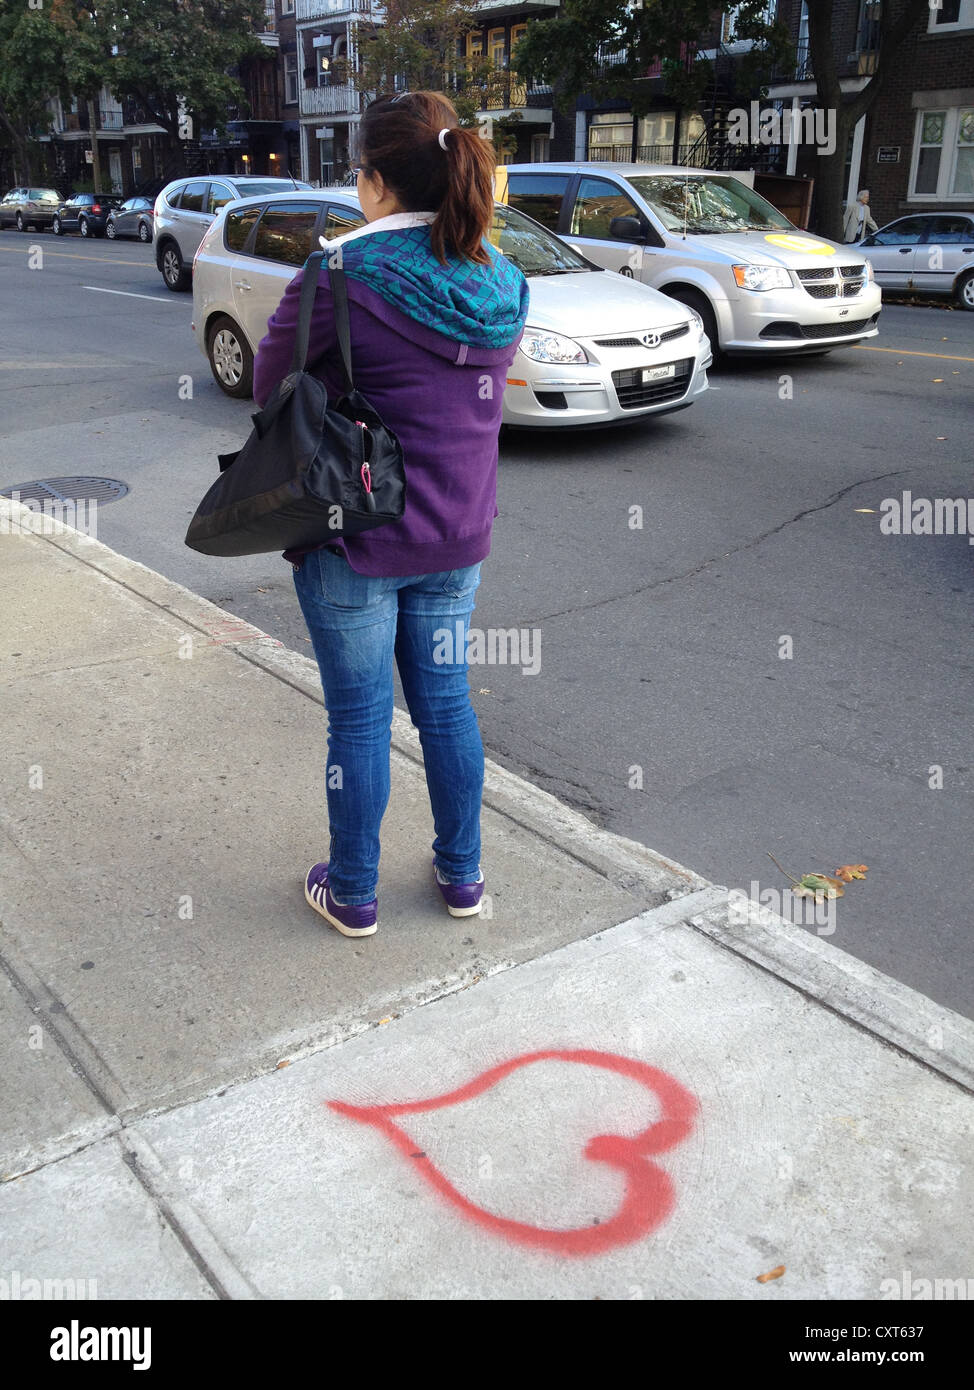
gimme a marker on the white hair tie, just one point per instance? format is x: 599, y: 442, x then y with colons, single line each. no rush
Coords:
x: 442, y: 137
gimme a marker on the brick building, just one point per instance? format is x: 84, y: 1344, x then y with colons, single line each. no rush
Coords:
x: 914, y: 149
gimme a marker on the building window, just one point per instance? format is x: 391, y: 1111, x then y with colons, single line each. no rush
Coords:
x: 610, y: 136
x: 497, y: 40
x: 287, y: 6
x: 540, y: 148
x: 943, y: 161
x: 290, y: 78
x: 951, y: 15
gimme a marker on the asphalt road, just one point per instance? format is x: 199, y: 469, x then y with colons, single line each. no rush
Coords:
x: 666, y: 706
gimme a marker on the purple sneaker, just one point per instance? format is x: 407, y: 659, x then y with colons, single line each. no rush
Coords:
x: 462, y: 899
x: 357, y: 920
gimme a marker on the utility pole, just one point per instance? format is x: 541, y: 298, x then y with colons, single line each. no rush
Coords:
x: 93, y: 131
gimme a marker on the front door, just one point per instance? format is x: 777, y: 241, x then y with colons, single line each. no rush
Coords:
x: 597, y: 202
x: 893, y: 252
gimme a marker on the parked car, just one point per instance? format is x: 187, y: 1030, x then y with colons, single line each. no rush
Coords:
x: 759, y: 283
x: 184, y: 210
x: 133, y: 218
x: 29, y: 207
x: 597, y: 347
x: 930, y: 253
x: 86, y: 213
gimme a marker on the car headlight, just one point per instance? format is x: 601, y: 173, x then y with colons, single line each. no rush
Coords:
x: 870, y: 273
x: 699, y: 322
x: 542, y: 346
x: 762, y: 277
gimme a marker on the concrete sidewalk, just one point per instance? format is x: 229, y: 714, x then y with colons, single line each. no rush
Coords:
x: 634, y: 1096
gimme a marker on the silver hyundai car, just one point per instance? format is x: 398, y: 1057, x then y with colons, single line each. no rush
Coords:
x: 184, y: 210
x: 598, y: 348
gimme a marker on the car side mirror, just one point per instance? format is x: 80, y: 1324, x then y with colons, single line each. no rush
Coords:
x: 628, y: 229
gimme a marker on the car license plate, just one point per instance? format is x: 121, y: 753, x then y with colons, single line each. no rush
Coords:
x: 659, y: 373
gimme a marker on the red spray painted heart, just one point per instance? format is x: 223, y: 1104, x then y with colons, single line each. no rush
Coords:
x: 649, y: 1196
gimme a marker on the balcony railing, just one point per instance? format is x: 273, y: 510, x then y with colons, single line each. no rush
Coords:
x: 110, y: 120
x: 515, y: 94
x: 330, y: 101
x: 335, y: 9
x: 695, y: 155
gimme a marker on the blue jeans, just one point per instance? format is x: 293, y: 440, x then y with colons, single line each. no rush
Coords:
x: 357, y: 623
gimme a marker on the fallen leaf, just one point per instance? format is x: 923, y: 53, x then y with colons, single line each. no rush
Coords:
x: 850, y: 871
x: 775, y: 1273
x: 818, y: 886
x: 387, y: 1019
x: 936, y: 378
x: 285, y: 1063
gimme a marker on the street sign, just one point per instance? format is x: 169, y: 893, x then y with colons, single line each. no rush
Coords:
x: 888, y: 154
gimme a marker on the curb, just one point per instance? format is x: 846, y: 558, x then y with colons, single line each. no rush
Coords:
x: 901, y: 1017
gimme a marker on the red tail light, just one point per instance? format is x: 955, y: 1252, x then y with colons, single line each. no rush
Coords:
x: 96, y: 207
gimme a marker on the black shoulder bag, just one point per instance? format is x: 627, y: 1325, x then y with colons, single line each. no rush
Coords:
x: 312, y: 470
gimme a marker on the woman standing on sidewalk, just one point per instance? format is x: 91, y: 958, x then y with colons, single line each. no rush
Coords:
x: 436, y: 315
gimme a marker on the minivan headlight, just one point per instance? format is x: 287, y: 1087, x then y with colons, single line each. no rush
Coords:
x: 542, y: 346
x: 762, y: 277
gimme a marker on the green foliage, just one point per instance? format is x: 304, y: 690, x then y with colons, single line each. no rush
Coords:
x: 421, y: 46
x: 572, y: 49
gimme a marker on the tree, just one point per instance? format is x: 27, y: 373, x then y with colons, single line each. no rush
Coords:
x: 606, y: 48
x: 896, y: 20
x: 173, y: 57
x: 572, y: 51
x: 39, y: 47
x: 420, y: 45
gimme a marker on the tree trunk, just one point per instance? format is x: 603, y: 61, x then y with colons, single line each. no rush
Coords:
x: 830, y: 181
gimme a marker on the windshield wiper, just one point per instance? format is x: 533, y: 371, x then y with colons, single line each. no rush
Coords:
x: 561, y: 270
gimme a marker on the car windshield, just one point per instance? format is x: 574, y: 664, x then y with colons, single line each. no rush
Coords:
x: 44, y: 195
x: 709, y: 205
x: 533, y: 250
x: 253, y: 188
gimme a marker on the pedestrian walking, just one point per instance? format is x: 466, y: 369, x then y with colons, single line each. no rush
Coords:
x: 436, y: 314
x: 858, y: 220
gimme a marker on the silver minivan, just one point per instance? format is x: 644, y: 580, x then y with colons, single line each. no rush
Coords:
x: 185, y: 209
x: 706, y: 238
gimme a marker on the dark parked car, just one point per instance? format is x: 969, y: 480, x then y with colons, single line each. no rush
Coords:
x: 29, y: 207
x: 133, y: 218
x: 86, y: 213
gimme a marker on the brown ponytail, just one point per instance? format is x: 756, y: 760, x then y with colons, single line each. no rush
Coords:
x: 400, y: 139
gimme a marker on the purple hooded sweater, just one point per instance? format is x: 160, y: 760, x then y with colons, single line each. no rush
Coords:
x: 441, y: 396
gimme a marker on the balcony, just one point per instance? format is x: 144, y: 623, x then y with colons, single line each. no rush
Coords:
x: 694, y: 156
x: 335, y: 9
x: 531, y: 99
x: 340, y: 100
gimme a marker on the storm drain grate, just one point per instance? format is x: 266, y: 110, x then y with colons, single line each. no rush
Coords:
x: 100, y: 490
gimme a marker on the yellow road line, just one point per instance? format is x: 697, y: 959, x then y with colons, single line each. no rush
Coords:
x: 73, y: 256
x: 904, y: 352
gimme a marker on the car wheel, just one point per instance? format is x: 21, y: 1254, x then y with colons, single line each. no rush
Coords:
x: 693, y: 299
x: 110, y: 230
x: 20, y: 223
x: 230, y: 357
x: 56, y: 225
x: 965, y: 291
x: 173, y: 271
x: 144, y: 233
x: 83, y: 227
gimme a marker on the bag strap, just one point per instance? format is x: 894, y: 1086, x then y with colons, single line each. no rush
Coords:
x: 339, y: 293
x: 306, y: 304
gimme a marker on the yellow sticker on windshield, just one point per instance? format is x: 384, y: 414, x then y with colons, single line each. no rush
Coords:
x: 800, y: 243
